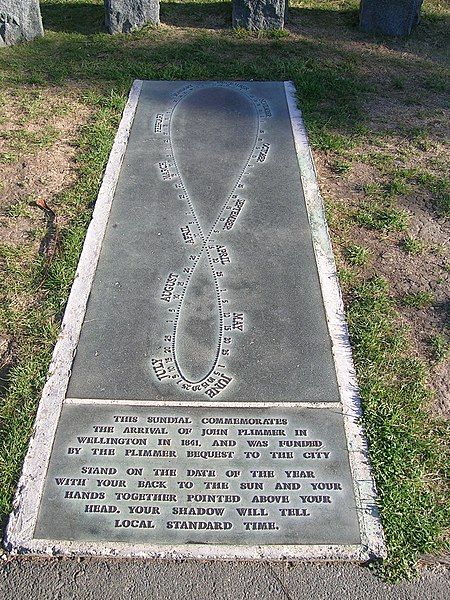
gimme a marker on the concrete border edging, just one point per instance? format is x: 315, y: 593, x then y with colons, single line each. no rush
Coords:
x: 359, y: 461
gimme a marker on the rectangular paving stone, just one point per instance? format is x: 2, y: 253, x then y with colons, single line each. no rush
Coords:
x: 198, y: 475
x: 202, y: 401
x: 207, y: 275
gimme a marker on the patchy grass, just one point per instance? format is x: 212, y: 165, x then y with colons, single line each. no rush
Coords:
x: 381, y: 218
x: 356, y: 255
x: 31, y: 316
x: 340, y: 167
x: 408, y: 449
x: 18, y: 141
x: 418, y: 299
x: 413, y: 245
x: 441, y: 347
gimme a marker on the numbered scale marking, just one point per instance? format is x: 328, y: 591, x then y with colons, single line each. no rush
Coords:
x: 210, y: 252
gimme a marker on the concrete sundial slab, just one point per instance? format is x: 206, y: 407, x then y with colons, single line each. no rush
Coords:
x: 202, y: 401
x: 207, y: 269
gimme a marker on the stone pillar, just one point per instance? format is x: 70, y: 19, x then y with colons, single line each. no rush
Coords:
x: 123, y: 16
x: 259, y: 14
x: 389, y: 17
x: 20, y: 20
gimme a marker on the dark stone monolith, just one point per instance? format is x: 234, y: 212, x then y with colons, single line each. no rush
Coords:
x: 124, y: 16
x: 389, y: 17
x: 259, y: 14
x: 20, y: 21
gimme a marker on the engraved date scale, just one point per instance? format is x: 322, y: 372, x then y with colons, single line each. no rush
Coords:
x: 206, y: 249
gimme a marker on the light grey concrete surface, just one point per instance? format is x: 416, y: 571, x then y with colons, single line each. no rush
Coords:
x: 98, y: 579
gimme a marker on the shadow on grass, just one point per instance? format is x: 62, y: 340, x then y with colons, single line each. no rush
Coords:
x: 79, y: 17
x: 330, y: 92
x: 331, y: 76
x: 88, y: 18
x: 209, y: 15
x: 4, y: 378
x: 321, y: 54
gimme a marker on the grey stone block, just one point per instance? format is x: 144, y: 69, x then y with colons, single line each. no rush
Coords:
x: 124, y: 16
x: 389, y: 17
x: 20, y: 21
x: 259, y: 14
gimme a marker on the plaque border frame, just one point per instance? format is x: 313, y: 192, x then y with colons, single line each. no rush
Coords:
x: 19, y: 533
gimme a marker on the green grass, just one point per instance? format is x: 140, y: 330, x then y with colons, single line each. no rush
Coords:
x: 440, y: 187
x: 419, y: 299
x: 337, y: 83
x: 413, y: 245
x: 408, y: 450
x: 18, y: 141
x: 341, y: 167
x: 22, y: 208
x: 381, y: 218
x: 441, y: 348
x: 356, y: 255
x: 32, y: 318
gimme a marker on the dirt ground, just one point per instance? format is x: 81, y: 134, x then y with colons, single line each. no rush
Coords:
x: 38, y: 134
x: 407, y: 119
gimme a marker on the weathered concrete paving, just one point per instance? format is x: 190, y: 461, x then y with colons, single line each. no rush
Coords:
x: 98, y: 579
